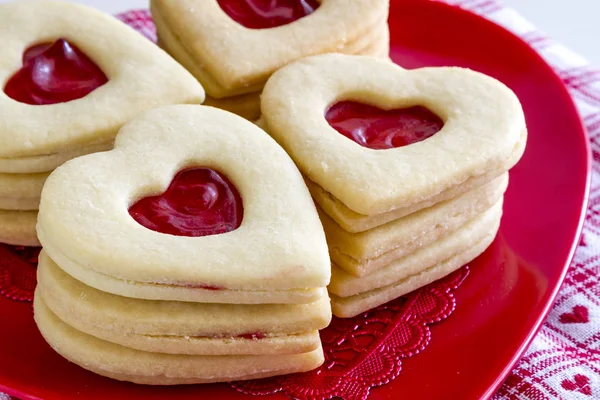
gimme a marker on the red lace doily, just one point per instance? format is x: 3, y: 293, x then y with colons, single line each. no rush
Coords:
x: 367, y: 351
x: 18, y: 266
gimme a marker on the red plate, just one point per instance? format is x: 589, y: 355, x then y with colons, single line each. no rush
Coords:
x: 511, y: 287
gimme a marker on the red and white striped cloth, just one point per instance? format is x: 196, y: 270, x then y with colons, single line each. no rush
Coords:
x: 563, y: 362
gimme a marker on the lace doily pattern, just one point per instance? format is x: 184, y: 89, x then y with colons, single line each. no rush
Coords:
x: 18, y: 266
x: 367, y: 351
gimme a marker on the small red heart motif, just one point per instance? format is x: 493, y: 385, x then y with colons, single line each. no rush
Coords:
x: 198, y: 202
x: 380, y: 129
x: 261, y: 14
x: 580, y: 383
x: 54, y: 73
x: 579, y: 315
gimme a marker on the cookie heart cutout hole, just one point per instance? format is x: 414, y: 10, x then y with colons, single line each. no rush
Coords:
x: 54, y: 73
x: 262, y: 14
x: 379, y: 129
x: 198, y: 202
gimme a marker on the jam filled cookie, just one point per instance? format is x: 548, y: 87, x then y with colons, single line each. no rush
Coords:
x: 232, y: 47
x: 127, y: 364
x: 193, y: 246
x: 214, y: 211
x: 72, y: 77
x: 397, y: 160
x: 182, y: 327
x: 98, y: 74
x: 365, y: 252
x: 351, y: 295
x: 406, y: 135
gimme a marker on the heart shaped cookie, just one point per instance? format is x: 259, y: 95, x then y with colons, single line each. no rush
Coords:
x: 363, y: 253
x: 74, y: 77
x: 182, y: 327
x: 127, y: 364
x: 400, y: 163
x: 351, y: 296
x: 277, y: 254
x: 192, y: 247
x: 233, y: 47
x: 483, y: 129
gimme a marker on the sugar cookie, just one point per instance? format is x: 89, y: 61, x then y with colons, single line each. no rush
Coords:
x: 483, y: 129
x: 278, y: 247
x: 363, y: 253
x: 354, y: 222
x: 47, y: 162
x: 18, y: 228
x: 189, y: 293
x: 213, y: 39
x: 178, y: 327
x: 122, y: 363
x: 344, y: 284
x: 350, y: 306
x: 139, y: 76
x: 21, y: 191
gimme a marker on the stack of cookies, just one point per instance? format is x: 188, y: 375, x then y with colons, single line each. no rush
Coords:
x: 64, y: 98
x: 233, y: 46
x: 408, y: 168
x: 190, y: 253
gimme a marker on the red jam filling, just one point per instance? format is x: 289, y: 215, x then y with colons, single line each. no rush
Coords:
x: 253, y: 336
x: 204, y: 287
x: 198, y: 202
x: 261, y: 14
x: 54, y: 73
x: 380, y: 129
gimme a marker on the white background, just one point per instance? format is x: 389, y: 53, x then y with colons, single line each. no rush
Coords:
x: 575, y: 23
